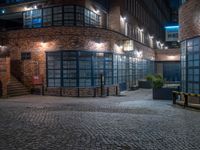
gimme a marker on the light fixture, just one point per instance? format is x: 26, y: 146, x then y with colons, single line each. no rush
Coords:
x: 141, y: 30
x: 35, y: 7
x: 3, y: 11
x: 123, y: 18
x: 158, y: 42
x: 43, y: 44
x: 138, y: 54
x: 172, y: 27
x: 97, y: 11
x: 151, y: 37
x: 30, y: 8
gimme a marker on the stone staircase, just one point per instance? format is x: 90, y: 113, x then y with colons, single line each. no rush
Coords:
x: 16, y: 88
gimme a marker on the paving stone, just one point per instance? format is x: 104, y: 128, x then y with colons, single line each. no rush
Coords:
x: 133, y: 122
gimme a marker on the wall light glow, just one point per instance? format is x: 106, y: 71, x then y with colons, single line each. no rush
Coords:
x: 97, y: 11
x: 123, y: 18
x: 44, y: 44
x: 30, y: 8
x: 138, y: 54
x: 118, y: 48
x: 172, y: 57
x: 151, y: 37
x: 141, y: 30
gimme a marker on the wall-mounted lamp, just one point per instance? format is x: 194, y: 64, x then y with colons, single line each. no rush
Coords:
x: 97, y: 11
x: 151, y: 37
x: 158, y: 42
x: 141, y: 30
x: 123, y: 18
x: 138, y: 54
x: 30, y: 8
x: 3, y: 11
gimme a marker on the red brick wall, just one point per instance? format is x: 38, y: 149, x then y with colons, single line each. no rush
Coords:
x: 189, y: 19
x: 83, y: 92
x: 4, y: 74
x: 39, y: 41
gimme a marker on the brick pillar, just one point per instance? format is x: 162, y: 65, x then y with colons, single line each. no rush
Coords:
x: 4, y: 75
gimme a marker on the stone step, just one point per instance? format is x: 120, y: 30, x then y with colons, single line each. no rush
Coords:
x: 16, y: 88
x: 18, y: 94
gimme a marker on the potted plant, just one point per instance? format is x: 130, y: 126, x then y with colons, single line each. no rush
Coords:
x: 159, y: 91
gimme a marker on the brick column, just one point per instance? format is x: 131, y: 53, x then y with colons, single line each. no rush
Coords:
x: 4, y: 75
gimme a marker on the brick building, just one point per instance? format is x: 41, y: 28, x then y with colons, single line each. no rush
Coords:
x: 189, y: 15
x: 82, y: 47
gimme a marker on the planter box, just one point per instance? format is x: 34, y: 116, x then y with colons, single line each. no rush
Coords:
x: 144, y: 84
x: 163, y: 93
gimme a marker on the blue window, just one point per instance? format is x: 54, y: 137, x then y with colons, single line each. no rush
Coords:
x: 190, y: 65
x: 61, y: 16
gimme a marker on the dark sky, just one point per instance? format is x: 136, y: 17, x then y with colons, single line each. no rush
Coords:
x: 174, y: 4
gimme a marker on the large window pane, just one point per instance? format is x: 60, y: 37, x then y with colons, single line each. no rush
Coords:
x: 57, y: 16
x: 47, y: 17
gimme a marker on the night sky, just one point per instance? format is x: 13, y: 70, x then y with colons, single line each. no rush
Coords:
x: 174, y: 4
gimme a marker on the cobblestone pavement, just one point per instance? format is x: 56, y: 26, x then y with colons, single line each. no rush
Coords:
x: 133, y: 122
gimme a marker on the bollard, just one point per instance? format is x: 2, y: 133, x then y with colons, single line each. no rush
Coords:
x: 186, y: 100
x: 174, y: 97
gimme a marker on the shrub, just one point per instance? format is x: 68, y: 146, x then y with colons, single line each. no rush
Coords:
x: 158, y: 83
x: 156, y: 80
x: 150, y: 78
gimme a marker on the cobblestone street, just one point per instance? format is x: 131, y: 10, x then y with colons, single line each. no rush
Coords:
x: 132, y: 122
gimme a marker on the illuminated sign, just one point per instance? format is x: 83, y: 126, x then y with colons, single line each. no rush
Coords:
x: 171, y: 33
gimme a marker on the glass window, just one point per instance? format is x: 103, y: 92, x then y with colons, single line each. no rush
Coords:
x: 70, y: 69
x: 69, y: 15
x: 87, y: 17
x: 37, y: 18
x: 85, y: 69
x: 108, y: 68
x: 54, y: 69
x: 61, y: 15
x: 28, y: 19
x: 79, y: 16
x: 47, y: 17
x: 57, y: 16
x: 25, y: 56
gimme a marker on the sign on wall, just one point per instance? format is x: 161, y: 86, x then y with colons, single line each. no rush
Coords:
x: 171, y: 33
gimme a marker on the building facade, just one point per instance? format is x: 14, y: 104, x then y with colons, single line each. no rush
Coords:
x: 82, y: 47
x: 190, y: 46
